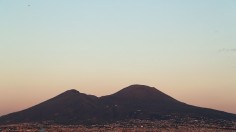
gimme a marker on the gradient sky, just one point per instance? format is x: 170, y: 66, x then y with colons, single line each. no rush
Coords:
x: 184, y: 48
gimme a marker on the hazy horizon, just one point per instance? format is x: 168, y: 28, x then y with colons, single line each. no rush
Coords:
x: 186, y: 49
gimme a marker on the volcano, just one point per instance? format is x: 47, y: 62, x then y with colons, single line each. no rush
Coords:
x: 132, y: 102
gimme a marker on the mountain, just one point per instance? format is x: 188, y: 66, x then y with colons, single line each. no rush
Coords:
x: 132, y: 102
x: 144, y: 102
x: 70, y: 106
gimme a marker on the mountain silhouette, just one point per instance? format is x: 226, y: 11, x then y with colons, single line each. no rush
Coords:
x: 132, y: 102
x: 70, y: 106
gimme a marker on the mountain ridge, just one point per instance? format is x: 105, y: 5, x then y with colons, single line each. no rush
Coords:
x: 133, y: 102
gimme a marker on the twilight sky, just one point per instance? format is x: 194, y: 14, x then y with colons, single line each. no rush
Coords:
x: 184, y: 48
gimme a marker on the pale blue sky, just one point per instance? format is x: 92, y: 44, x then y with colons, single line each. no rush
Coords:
x: 185, y: 48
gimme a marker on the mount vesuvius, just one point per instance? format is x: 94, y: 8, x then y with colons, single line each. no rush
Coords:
x: 132, y: 102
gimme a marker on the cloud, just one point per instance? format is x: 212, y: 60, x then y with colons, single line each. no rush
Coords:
x: 227, y: 50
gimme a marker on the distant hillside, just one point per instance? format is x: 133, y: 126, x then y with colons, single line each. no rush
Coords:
x: 133, y: 102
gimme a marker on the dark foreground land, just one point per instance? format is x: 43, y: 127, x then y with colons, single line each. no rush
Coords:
x: 128, y: 126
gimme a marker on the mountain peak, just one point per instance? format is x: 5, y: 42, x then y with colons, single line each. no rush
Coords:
x: 139, y: 86
x: 71, y: 91
x: 137, y: 90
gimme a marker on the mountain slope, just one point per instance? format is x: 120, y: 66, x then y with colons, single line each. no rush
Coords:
x: 71, y: 106
x: 139, y: 101
x: 133, y: 102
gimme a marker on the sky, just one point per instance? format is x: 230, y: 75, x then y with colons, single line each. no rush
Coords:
x: 184, y: 48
